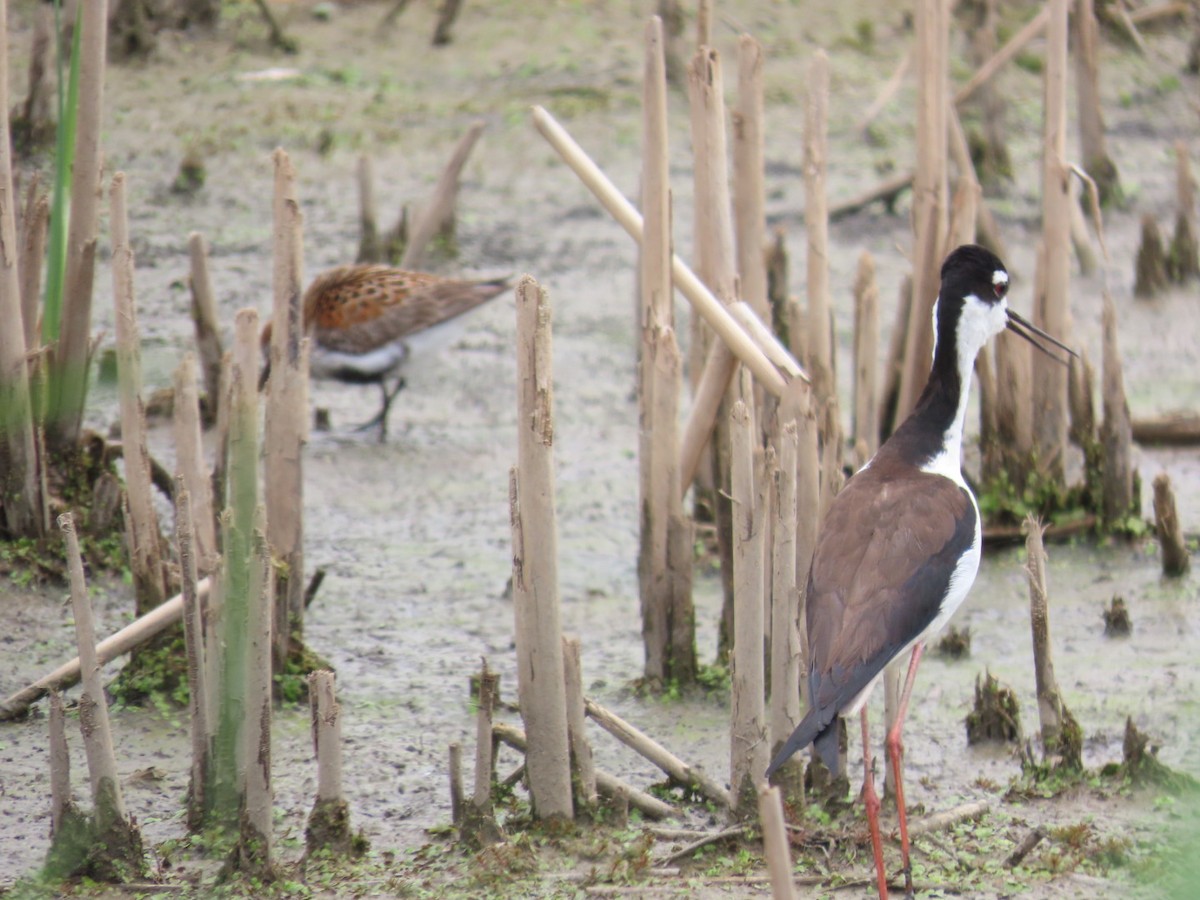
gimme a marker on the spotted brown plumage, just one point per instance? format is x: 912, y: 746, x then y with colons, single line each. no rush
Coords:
x: 356, y: 309
x: 366, y: 320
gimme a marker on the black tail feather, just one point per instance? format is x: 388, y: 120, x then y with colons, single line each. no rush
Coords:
x: 818, y: 727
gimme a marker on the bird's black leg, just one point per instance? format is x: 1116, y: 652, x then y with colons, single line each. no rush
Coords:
x: 380, y: 417
x: 895, y: 749
x: 871, y: 801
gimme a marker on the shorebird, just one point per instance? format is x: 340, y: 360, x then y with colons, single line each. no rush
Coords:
x: 900, y: 544
x: 367, y: 320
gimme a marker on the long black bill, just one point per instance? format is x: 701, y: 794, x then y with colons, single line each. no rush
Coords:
x: 1035, y: 336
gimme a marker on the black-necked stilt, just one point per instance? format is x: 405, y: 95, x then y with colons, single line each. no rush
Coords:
x: 900, y: 545
x: 367, y: 320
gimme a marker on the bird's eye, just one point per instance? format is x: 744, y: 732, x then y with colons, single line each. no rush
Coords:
x: 1001, y: 288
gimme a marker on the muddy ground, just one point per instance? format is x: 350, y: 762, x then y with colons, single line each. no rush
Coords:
x: 414, y: 533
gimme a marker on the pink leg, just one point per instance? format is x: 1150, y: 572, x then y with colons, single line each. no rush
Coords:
x: 871, y: 801
x: 895, y: 749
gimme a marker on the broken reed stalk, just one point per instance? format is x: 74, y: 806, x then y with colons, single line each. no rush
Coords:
x: 368, y: 228
x: 692, y: 778
x: 608, y: 785
x: 1005, y: 54
x: 1180, y: 429
x: 808, y: 480
x: 930, y: 190
x: 816, y: 221
x: 193, y: 641
x: 984, y: 223
x: 748, y: 725
x: 886, y: 93
x: 693, y: 289
x: 454, y: 762
x: 1183, y: 261
x: 189, y: 463
x: 1081, y: 387
x: 142, y: 531
x: 109, y: 812
x: 477, y: 822
x: 1057, y: 724
x: 1175, y: 558
x: 775, y: 843
x: 784, y: 632
x: 60, y: 763
x: 716, y: 265
x: 69, y: 360
x: 286, y: 428
x: 438, y: 214
x: 749, y: 194
x: 447, y: 13
x: 1092, y: 141
x: 204, y: 318
x: 659, y: 371
x: 540, y: 677
x: 21, y: 506
x: 866, y: 353
x: 329, y: 821
x: 237, y: 574
x: 255, y: 843
x: 132, y: 635
x: 1116, y: 432
x: 1051, y: 309
x: 35, y: 222
x: 489, y: 685
x: 581, y: 749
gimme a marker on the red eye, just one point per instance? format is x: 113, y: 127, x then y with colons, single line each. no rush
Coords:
x: 1001, y: 288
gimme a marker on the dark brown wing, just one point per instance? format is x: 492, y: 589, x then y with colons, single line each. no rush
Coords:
x: 887, y: 550
x: 358, y: 308
x: 883, y: 562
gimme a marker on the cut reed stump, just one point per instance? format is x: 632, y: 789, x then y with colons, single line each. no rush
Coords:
x: 866, y: 352
x: 189, y: 461
x: 784, y: 633
x: 478, y: 826
x: 143, y: 536
x: 748, y: 731
x: 22, y: 510
x: 204, y: 318
x: 716, y: 265
x: 193, y: 640
x: 540, y: 675
x: 328, y: 826
x: 115, y: 853
x: 285, y: 430
x: 437, y: 217
x: 70, y: 828
x: 1119, y: 498
x: 369, y: 250
x: 930, y: 191
x: 34, y: 230
x: 1052, y: 296
x: 1175, y: 558
x: 996, y: 715
x: 1062, y: 738
x: 1092, y: 139
x: 664, y: 588
x: 1183, y: 259
x: 816, y: 219
x: 1151, y: 267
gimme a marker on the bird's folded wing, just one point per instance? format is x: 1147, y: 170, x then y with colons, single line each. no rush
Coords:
x: 885, y: 557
